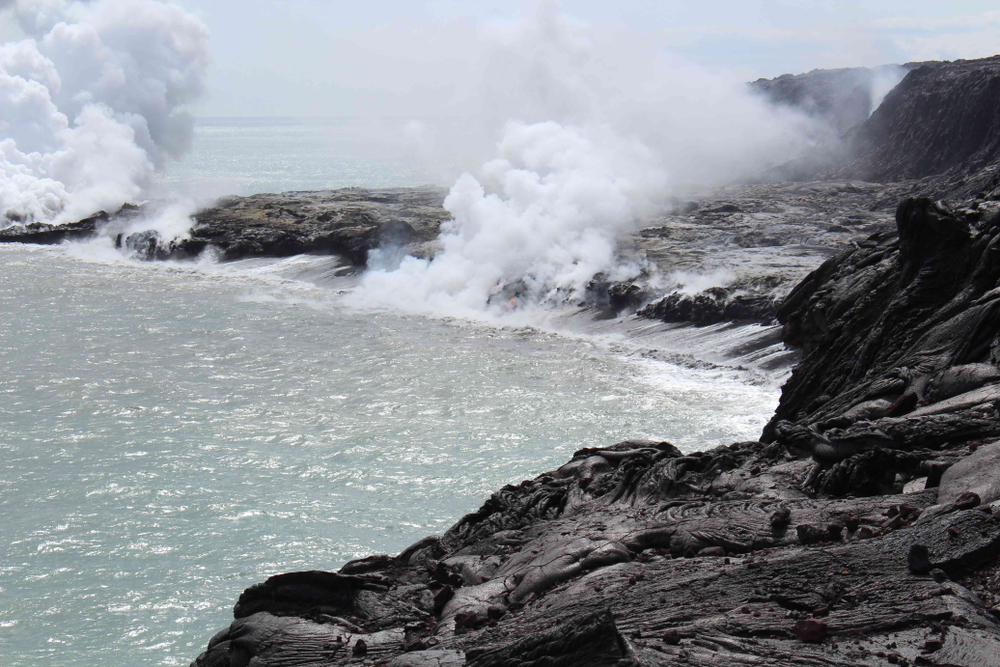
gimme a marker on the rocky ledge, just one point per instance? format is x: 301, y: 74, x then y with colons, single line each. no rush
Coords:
x: 348, y: 222
x: 863, y: 529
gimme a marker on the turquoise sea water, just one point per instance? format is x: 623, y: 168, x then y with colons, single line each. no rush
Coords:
x: 173, y: 433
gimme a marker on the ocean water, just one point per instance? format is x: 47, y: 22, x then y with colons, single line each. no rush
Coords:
x: 171, y: 434
x: 249, y: 155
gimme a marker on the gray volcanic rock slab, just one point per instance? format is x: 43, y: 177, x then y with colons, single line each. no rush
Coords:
x: 585, y: 640
x: 978, y: 473
x: 429, y: 658
x: 350, y: 222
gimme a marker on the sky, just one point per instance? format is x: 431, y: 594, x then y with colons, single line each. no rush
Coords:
x: 411, y: 58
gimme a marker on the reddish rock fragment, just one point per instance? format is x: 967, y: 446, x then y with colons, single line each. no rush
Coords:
x: 810, y: 630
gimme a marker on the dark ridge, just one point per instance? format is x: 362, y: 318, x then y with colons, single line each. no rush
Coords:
x: 842, y: 97
x: 939, y: 128
x: 941, y: 117
x: 43, y: 233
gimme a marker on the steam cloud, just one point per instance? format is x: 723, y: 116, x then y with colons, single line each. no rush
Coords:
x: 545, y: 216
x: 90, y: 102
x: 603, y: 131
x: 884, y: 79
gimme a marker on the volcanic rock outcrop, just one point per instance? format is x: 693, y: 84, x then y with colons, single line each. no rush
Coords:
x: 750, y: 299
x: 348, y: 222
x: 43, y: 233
x: 864, y: 529
x: 942, y: 121
x: 900, y: 341
x: 938, y: 128
x: 843, y: 97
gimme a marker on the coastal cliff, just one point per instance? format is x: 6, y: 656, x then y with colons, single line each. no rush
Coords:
x: 863, y: 529
x: 938, y: 129
x: 941, y: 122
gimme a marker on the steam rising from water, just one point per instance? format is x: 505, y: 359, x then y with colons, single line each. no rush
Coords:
x: 598, y: 129
x: 602, y: 130
x: 90, y: 102
x: 542, y: 220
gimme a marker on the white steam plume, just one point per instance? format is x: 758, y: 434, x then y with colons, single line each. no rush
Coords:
x: 541, y: 223
x: 91, y: 102
x: 884, y: 79
x: 599, y: 131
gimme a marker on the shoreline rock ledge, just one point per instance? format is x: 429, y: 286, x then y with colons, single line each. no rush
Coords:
x: 863, y: 529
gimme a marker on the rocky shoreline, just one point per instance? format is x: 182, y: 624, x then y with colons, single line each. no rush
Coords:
x: 863, y: 529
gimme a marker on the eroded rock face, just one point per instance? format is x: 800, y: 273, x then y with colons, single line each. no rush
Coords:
x: 938, y: 129
x: 897, y: 334
x: 842, y: 97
